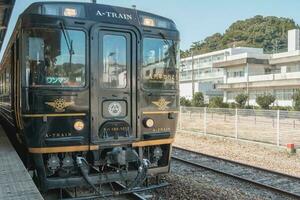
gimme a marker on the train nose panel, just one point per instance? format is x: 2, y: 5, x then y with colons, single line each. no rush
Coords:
x: 113, y: 88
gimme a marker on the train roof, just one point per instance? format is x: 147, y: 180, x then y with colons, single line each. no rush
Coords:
x: 100, y: 13
x: 6, y: 7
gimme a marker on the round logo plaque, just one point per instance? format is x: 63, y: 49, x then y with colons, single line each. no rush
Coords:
x: 114, y: 109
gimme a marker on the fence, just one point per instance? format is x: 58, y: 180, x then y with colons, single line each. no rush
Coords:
x: 266, y: 126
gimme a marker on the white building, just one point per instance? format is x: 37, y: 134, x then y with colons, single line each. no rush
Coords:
x: 257, y: 73
x: 198, y: 72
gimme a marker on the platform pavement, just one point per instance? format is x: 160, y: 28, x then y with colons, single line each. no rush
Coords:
x: 15, y: 181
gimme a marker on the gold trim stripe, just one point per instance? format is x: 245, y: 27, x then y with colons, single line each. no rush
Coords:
x: 63, y: 149
x: 42, y: 150
x: 153, y: 142
x: 159, y: 112
x: 55, y: 115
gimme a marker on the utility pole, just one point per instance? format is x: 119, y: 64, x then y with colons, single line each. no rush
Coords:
x: 247, y: 70
x: 275, y: 47
x: 193, y: 77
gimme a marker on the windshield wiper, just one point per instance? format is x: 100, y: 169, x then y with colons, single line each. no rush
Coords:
x: 69, y: 44
x: 166, y: 41
x: 170, y: 46
x: 67, y: 38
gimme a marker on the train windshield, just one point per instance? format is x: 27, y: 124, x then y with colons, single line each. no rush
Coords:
x: 160, y: 61
x: 53, y: 59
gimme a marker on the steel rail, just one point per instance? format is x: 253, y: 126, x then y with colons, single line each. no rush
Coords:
x: 131, y: 193
x: 238, y: 163
x: 249, y: 180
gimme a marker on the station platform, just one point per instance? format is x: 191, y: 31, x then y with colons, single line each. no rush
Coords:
x: 15, y: 181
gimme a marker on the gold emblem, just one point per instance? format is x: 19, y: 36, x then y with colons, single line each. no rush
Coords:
x: 161, y: 103
x: 60, y: 104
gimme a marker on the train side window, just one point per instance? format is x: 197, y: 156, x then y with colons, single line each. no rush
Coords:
x: 4, y: 82
x: 7, y: 80
x: 1, y: 83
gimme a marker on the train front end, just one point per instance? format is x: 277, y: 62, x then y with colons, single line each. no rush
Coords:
x: 99, y: 93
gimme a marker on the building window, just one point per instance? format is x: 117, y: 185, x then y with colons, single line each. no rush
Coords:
x: 218, y: 57
x: 268, y: 70
x: 271, y: 70
x: 284, y: 94
x: 234, y: 74
x: 293, y: 68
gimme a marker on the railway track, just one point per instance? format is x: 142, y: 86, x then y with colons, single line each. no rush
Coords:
x: 108, y: 195
x: 65, y: 194
x: 133, y: 195
x: 272, y: 180
x: 113, y: 191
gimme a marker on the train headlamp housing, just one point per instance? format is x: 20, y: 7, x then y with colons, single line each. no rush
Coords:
x: 79, y: 125
x: 157, y: 22
x: 66, y: 10
x: 148, y: 122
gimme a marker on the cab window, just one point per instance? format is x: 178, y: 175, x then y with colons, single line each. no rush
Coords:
x: 55, y: 58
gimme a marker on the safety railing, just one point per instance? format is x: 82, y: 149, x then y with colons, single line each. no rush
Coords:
x: 265, y: 126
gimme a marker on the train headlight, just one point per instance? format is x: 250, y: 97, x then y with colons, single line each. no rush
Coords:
x: 148, y: 123
x: 148, y: 21
x: 156, y: 22
x: 79, y: 125
x: 70, y: 12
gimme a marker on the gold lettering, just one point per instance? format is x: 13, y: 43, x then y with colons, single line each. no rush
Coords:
x: 161, y: 76
x: 53, y: 135
x: 161, y: 129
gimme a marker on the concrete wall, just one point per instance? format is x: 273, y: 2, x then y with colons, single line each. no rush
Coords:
x: 229, y: 96
x: 240, y: 50
x: 185, y: 90
x: 294, y: 40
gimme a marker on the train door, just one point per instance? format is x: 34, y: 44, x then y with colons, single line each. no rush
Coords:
x: 113, y: 86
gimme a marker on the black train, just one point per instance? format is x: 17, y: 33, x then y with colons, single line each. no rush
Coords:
x: 92, y: 92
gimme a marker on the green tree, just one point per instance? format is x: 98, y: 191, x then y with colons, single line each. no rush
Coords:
x: 269, y: 33
x: 185, y: 102
x: 217, y: 102
x: 198, y: 99
x: 241, y: 100
x: 296, y: 99
x: 184, y: 54
x: 264, y: 101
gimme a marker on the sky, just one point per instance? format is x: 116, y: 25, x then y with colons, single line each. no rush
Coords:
x: 195, y: 19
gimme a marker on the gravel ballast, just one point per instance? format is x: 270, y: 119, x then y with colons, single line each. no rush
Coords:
x: 188, y: 182
x: 264, y: 156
